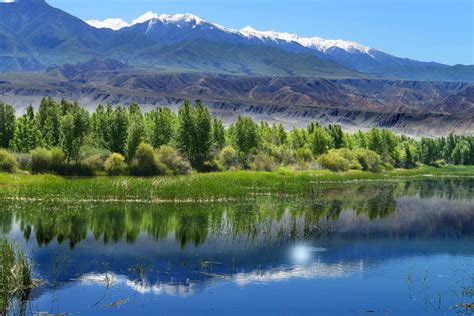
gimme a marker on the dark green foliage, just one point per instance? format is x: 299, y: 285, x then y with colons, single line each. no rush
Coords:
x: 160, y: 126
x: 7, y: 124
x: 136, y: 130
x: 320, y: 140
x: 119, y: 131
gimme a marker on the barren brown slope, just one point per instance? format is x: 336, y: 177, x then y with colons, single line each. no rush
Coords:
x: 412, y: 107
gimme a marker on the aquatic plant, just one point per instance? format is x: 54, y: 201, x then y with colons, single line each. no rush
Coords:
x: 16, y: 279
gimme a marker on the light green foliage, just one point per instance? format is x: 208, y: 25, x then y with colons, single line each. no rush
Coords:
x: 144, y: 163
x: 40, y: 160
x: 217, y: 135
x: 245, y: 137
x: 334, y: 161
x: 7, y: 161
x: 26, y: 134
x: 101, y: 122
x: 263, y: 162
x: 368, y: 160
x: 229, y: 159
x: 7, y: 124
x: 58, y: 159
x: 115, y: 164
x: 74, y: 129
x: 171, y: 162
x: 70, y: 132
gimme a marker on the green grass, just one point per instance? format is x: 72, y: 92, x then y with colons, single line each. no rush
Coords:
x: 198, y: 187
x: 15, y: 276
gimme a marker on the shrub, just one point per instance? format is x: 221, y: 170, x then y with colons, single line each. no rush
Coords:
x: 115, y: 165
x: 95, y: 163
x: 171, y: 162
x: 23, y: 161
x: 334, y: 161
x: 40, y: 160
x: 144, y: 163
x: 262, y: 162
x: 57, y: 162
x: 304, y: 154
x: 369, y: 160
x: 229, y: 159
x: 7, y: 161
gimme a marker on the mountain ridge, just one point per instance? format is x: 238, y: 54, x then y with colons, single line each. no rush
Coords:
x: 36, y: 36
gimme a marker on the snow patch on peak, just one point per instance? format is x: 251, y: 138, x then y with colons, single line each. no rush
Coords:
x: 147, y: 16
x: 323, y: 45
x: 180, y: 18
x: 317, y: 43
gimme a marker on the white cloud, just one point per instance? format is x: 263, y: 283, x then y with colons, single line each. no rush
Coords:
x: 118, y: 23
x: 113, y: 23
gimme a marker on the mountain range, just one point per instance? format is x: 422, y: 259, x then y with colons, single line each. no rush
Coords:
x: 165, y: 59
x: 35, y: 36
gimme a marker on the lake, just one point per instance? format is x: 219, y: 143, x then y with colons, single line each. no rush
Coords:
x: 359, y: 248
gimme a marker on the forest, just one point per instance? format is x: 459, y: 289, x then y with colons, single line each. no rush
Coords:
x: 65, y: 139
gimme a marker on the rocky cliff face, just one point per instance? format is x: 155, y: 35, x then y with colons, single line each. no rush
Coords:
x: 411, y: 107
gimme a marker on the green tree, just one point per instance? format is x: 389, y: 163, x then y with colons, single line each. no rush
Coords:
x: 48, y: 123
x: 218, y: 135
x: 186, y: 134
x: 245, y: 136
x: 74, y: 129
x: 202, y: 137
x: 136, y: 130
x: 337, y: 135
x: 26, y: 134
x: 160, y: 126
x: 101, y: 122
x: 7, y: 124
x: 320, y: 141
x: 119, y: 131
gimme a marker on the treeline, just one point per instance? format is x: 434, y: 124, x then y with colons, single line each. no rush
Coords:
x: 63, y: 137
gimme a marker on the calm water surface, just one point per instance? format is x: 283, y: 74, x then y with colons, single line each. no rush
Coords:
x: 382, y: 248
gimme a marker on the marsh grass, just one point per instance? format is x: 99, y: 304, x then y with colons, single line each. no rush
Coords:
x: 210, y: 187
x: 16, y: 280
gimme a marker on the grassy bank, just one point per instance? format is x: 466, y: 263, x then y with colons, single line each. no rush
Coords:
x: 198, y: 187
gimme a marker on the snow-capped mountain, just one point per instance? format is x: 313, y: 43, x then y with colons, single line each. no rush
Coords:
x: 174, y: 28
x: 35, y: 36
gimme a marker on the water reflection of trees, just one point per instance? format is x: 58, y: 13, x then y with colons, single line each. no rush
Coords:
x: 195, y: 223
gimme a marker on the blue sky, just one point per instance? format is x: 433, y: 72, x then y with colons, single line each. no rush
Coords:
x: 428, y: 30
